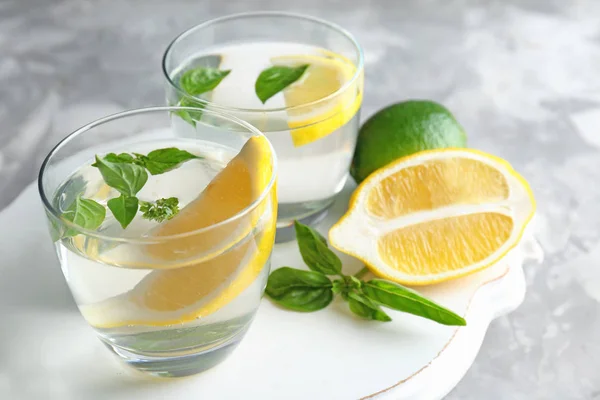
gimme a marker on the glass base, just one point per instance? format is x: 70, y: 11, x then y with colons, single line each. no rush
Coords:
x: 309, y: 213
x: 180, y: 365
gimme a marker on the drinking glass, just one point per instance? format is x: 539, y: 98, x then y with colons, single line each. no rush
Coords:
x: 314, y: 139
x: 170, y: 302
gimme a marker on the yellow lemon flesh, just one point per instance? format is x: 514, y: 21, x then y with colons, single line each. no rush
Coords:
x: 177, y: 295
x: 325, y: 75
x: 435, y: 215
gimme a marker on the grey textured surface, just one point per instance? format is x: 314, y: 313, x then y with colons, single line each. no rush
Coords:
x: 522, y: 76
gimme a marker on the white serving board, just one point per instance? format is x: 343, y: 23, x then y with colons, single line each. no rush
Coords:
x: 48, y: 351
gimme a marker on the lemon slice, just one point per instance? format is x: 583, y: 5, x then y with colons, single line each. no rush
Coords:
x: 325, y: 75
x: 435, y: 216
x: 178, y: 295
x: 232, y: 190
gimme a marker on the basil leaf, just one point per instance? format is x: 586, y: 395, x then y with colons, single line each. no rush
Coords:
x: 274, y: 79
x: 299, y: 290
x: 140, y: 159
x: 163, y: 160
x: 128, y: 179
x: 315, y: 253
x: 201, y: 80
x: 124, y: 209
x: 339, y: 286
x: 190, y: 116
x: 399, y: 298
x: 365, y: 308
x: 319, y: 236
x: 117, y: 158
x: 355, y: 282
x: 86, y: 213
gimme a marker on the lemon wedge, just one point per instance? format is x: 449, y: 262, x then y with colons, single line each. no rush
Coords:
x: 325, y: 75
x: 177, y: 295
x: 435, y: 215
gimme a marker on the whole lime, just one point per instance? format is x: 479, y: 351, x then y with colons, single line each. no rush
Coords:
x: 403, y: 129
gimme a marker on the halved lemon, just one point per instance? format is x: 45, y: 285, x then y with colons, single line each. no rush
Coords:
x: 325, y: 75
x: 435, y: 215
x: 177, y: 295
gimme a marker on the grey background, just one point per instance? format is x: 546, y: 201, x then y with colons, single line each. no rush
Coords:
x: 523, y: 77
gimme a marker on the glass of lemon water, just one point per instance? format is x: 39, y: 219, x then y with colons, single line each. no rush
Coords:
x: 312, y: 123
x: 164, y: 237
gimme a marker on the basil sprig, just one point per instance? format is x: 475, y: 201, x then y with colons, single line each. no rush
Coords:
x: 313, y: 290
x: 128, y: 173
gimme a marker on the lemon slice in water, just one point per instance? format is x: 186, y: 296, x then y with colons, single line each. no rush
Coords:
x: 325, y: 75
x: 177, y: 295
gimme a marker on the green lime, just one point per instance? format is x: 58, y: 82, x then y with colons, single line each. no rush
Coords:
x: 403, y: 129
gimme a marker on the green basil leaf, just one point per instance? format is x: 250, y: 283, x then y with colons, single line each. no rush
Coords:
x: 274, y: 79
x: 201, y: 80
x: 140, y: 159
x: 399, y: 298
x: 163, y: 160
x: 339, y: 286
x: 124, y: 209
x: 365, y: 308
x: 299, y: 290
x: 190, y: 116
x: 117, y: 158
x: 315, y: 253
x: 128, y: 179
x: 355, y: 282
x: 85, y: 213
x: 317, y: 235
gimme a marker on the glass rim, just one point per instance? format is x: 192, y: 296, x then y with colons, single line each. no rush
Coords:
x: 147, y: 110
x: 261, y: 14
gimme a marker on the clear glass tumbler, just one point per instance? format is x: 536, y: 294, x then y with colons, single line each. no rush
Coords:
x: 312, y: 124
x: 171, y: 293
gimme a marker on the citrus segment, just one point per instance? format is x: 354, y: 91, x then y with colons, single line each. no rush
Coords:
x: 181, y: 287
x: 435, y: 215
x: 455, y: 241
x: 173, y: 296
x: 435, y: 184
x: 325, y: 75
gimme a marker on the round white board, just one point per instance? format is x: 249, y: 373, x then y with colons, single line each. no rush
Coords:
x: 48, y: 351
